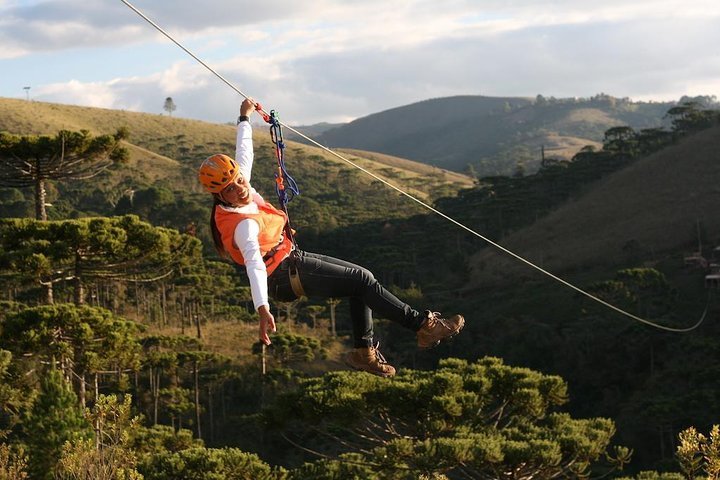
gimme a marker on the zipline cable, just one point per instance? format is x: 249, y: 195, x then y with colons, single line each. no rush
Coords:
x: 429, y: 207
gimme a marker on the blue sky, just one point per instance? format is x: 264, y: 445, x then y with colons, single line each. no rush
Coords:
x: 335, y: 60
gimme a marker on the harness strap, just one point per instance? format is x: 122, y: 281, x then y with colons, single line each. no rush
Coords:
x: 295, y: 282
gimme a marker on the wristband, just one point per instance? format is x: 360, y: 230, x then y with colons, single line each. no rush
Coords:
x: 243, y: 118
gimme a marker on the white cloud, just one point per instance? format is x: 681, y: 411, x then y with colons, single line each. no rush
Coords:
x: 343, y: 59
x: 93, y: 94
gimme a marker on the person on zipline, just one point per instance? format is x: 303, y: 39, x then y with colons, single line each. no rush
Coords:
x: 253, y: 233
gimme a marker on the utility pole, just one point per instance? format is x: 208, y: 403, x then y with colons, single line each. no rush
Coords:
x: 27, y: 93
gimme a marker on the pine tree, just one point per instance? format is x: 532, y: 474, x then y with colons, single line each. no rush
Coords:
x: 30, y: 161
x: 480, y: 420
x: 54, y: 419
x: 109, y: 455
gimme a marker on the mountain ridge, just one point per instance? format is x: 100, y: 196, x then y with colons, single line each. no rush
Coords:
x: 493, y: 135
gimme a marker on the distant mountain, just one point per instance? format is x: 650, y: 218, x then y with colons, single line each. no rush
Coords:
x: 311, y: 131
x: 493, y: 135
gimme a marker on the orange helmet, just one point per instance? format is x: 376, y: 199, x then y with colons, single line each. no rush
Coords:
x: 217, y: 171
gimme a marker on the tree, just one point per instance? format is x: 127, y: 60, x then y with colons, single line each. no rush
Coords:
x: 169, y: 106
x: 289, y: 349
x: 165, y: 355
x: 109, y: 455
x: 55, y: 417
x: 621, y: 141
x: 696, y: 454
x: 13, y: 463
x: 30, y: 161
x: 482, y: 420
x: 200, y: 463
x: 196, y: 358
x: 90, y: 249
x: 314, y: 311
x: 12, y: 398
x: 689, y: 117
x: 84, y: 340
x: 332, y: 304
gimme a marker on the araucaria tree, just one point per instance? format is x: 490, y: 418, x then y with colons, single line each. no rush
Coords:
x: 83, y: 341
x: 169, y: 106
x: 482, y: 420
x: 30, y: 160
x: 91, y: 249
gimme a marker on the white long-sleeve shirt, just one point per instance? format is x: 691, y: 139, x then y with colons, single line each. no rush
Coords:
x: 247, y: 231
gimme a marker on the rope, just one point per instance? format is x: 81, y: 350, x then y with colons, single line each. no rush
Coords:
x: 432, y: 209
x: 281, y: 175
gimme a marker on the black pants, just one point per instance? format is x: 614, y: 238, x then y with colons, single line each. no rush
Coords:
x: 328, y: 277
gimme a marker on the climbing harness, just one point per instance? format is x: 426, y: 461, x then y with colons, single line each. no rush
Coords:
x: 284, y: 183
x: 416, y: 200
x: 286, y: 189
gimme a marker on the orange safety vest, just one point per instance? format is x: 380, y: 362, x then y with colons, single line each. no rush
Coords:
x: 274, y: 245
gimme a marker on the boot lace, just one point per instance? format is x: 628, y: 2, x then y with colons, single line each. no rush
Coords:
x: 434, y: 318
x: 379, y: 356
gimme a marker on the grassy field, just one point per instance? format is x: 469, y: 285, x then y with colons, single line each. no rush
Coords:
x: 160, y: 144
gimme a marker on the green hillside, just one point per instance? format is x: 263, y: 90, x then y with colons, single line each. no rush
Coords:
x: 165, y: 153
x: 493, y: 135
x: 663, y: 204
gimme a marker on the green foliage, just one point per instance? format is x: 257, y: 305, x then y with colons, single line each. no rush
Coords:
x: 83, y: 339
x: 649, y: 475
x: 147, y: 441
x: 14, y: 204
x: 30, y: 160
x: 607, y: 361
x: 71, y: 155
x: 89, y: 249
x: 13, y: 463
x: 146, y: 201
x: 108, y: 456
x: 53, y: 419
x: 199, y: 463
x: 288, y: 348
x: 484, y: 418
x: 643, y: 290
x: 698, y: 453
x: 12, y: 398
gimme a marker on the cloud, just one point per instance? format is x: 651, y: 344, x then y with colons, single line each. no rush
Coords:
x: 344, y: 59
x: 89, y: 94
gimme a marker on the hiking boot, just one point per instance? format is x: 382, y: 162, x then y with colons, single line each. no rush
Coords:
x: 435, y: 329
x: 370, y: 360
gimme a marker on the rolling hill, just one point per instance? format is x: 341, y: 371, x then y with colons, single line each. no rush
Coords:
x: 165, y: 153
x: 649, y: 209
x: 493, y: 135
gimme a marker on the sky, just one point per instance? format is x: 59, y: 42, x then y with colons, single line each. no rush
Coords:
x: 337, y: 60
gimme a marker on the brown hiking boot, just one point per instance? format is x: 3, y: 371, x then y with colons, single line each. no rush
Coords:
x: 369, y: 360
x: 435, y: 329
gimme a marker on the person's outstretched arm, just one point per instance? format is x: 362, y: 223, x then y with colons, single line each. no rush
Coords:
x: 244, y: 154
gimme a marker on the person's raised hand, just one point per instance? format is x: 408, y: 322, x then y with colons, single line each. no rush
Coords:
x: 247, y: 107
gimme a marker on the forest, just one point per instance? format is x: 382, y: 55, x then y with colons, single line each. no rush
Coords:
x: 128, y: 348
